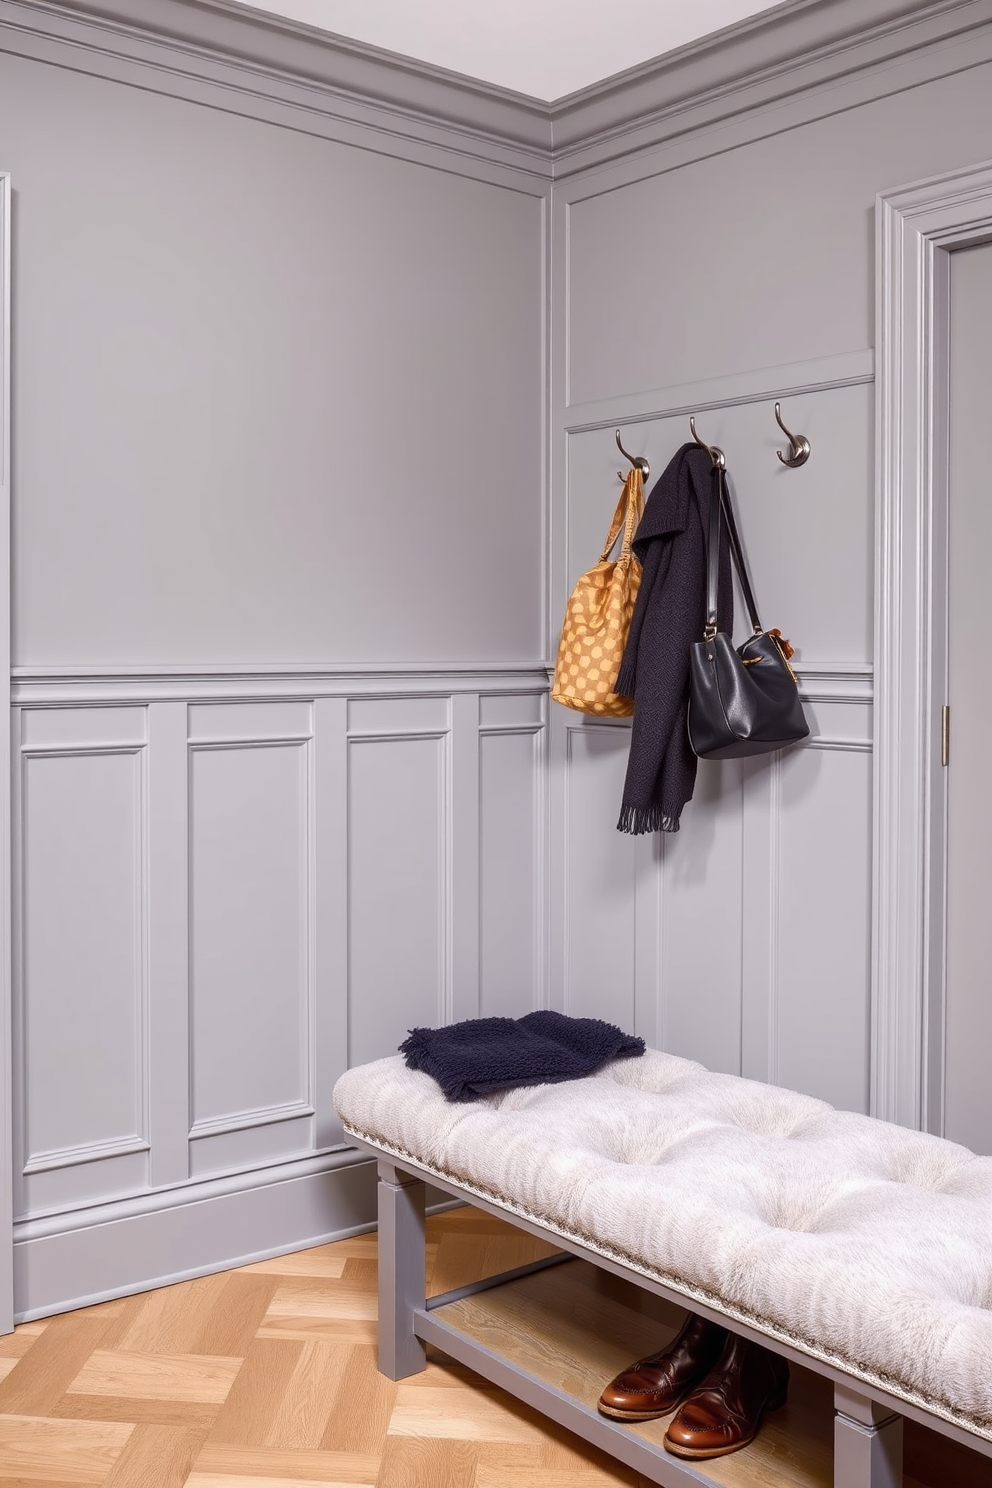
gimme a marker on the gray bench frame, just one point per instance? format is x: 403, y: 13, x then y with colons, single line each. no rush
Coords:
x: 867, y: 1421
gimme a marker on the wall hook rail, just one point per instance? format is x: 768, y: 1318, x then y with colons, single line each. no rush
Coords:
x: 638, y: 461
x: 715, y: 453
x: 799, y: 445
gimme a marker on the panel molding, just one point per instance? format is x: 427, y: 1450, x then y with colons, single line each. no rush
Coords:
x: 70, y: 1157
x: 916, y: 228
x: 761, y: 801
x: 774, y: 913
x: 54, y: 1159
x: 536, y: 909
x: 838, y: 744
x: 219, y: 1126
x: 735, y: 389
x: 85, y: 686
x: 252, y: 1117
x: 836, y: 684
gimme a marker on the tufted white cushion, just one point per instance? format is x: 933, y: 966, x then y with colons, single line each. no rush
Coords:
x: 862, y: 1243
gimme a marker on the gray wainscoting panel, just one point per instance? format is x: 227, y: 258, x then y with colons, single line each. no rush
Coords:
x: 250, y: 990
x: 823, y: 922
x: 82, y: 1015
x: 399, y: 925
x: 220, y: 892
x: 699, y: 882
x: 599, y: 865
x: 510, y: 858
x: 742, y: 940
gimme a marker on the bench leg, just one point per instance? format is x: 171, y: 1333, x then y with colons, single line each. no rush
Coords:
x: 402, y: 1265
x: 867, y: 1442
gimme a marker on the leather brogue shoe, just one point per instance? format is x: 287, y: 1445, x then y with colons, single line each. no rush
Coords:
x: 726, y: 1410
x: 654, y: 1386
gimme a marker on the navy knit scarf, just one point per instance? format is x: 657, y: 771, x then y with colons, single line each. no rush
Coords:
x: 669, y: 615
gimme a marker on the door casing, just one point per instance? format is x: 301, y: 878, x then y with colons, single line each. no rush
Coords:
x: 6, y: 1111
x: 917, y: 229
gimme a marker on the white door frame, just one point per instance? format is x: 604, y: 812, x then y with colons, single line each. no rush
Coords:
x: 917, y: 227
x: 6, y: 1110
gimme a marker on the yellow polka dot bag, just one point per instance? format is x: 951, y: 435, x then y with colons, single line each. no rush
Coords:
x: 597, y: 617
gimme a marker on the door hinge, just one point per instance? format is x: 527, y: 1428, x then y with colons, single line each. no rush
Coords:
x: 945, y: 733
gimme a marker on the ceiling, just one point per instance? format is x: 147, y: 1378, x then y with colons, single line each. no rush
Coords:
x: 544, y: 48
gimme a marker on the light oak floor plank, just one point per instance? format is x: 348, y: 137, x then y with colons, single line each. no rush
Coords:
x: 82, y: 1452
x: 44, y: 1372
x: 232, y: 1464
x: 363, y: 1407
x: 159, y: 1455
x: 265, y: 1377
x: 123, y: 1373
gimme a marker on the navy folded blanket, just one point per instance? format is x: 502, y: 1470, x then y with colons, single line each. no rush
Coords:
x: 483, y: 1055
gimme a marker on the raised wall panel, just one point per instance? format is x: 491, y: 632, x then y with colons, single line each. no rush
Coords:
x: 266, y: 1138
x: 600, y: 864
x: 81, y: 1004
x: 510, y: 906
x: 82, y: 728
x: 824, y: 917
x: 701, y: 922
x: 249, y: 968
x: 238, y: 721
x: 518, y: 710
x: 409, y: 715
x: 398, y: 895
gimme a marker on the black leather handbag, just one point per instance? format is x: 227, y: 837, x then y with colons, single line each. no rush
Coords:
x: 746, y: 700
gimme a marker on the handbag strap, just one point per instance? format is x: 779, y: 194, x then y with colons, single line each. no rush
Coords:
x: 737, y: 550
x: 630, y: 509
x: 722, y: 506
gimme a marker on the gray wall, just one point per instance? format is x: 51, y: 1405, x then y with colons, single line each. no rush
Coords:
x: 286, y: 780
x: 275, y: 394
x: 714, y: 274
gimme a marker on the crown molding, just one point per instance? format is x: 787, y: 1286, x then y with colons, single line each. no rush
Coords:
x: 762, y: 62
x: 263, y: 61
x: 271, y: 59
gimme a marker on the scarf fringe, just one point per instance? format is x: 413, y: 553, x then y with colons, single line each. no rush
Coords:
x: 626, y: 676
x: 639, y: 819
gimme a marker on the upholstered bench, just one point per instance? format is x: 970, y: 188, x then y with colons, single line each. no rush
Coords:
x: 857, y: 1249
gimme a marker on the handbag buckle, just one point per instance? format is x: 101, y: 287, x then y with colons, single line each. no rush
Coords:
x: 709, y: 631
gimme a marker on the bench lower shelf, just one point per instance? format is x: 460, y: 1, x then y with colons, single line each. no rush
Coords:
x: 555, y: 1337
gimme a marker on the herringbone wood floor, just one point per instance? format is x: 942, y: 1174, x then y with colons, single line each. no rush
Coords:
x: 265, y: 1377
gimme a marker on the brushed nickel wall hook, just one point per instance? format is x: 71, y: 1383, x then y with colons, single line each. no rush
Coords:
x: 638, y: 461
x: 799, y: 446
x: 715, y: 453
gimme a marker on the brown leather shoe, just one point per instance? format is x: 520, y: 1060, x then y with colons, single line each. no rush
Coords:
x: 654, y: 1386
x: 724, y: 1413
